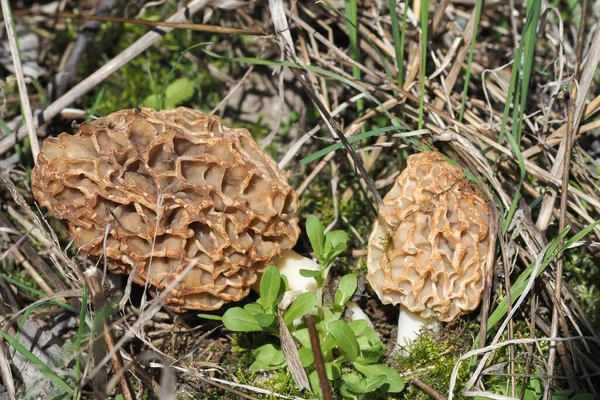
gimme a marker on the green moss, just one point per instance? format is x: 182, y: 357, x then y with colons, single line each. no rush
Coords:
x: 16, y: 272
x: 582, y: 271
x: 281, y: 383
x: 146, y: 74
x: 238, y: 361
x: 317, y: 198
x: 432, y: 362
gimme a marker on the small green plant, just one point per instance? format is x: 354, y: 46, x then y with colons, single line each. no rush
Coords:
x: 351, y: 350
x: 173, y: 95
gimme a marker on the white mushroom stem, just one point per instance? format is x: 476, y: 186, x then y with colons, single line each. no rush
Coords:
x: 409, y: 327
x: 289, y: 263
x: 358, y: 313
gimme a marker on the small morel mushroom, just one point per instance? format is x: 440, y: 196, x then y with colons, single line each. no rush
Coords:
x: 170, y: 187
x: 428, y: 247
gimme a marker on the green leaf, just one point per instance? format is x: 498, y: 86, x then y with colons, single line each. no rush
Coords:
x: 303, y: 336
x: 152, y: 101
x: 338, y: 240
x: 529, y: 395
x: 239, y: 320
x: 313, y: 379
x: 260, y: 366
x: 265, y: 320
x: 370, y: 355
x: 309, y: 273
x: 254, y: 308
x: 372, y: 336
x: 363, y: 343
x: 329, y: 316
x: 333, y: 371
x: 269, y: 354
x: 358, y: 326
x: 355, y: 383
x: 346, y: 289
x: 374, y: 382
x: 371, y: 347
x: 268, y: 357
x: 562, y: 394
x: 393, y: 381
x: 345, y: 391
x: 315, y: 232
x: 300, y: 307
x: 178, y: 92
x: 536, y: 385
x: 306, y: 356
x: 269, y: 286
x: 345, y: 338
x: 328, y: 344
x: 583, y: 396
x: 210, y: 316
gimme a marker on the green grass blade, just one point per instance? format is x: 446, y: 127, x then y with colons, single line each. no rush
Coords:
x: 36, y: 292
x: 4, y: 127
x: 424, y: 28
x: 352, y: 22
x: 579, y: 235
x: 402, y: 41
x: 470, y: 59
x: 97, y: 102
x: 326, y: 73
x: 32, y: 307
x: 353, y: 139
x: 520, y: 284
x: 22, y: 285
x: 32, y: 358
x: 369, y: 41
x: 398, y: 42
x: 519, y: 89
x: 534, y: 8
x: 518, y: 287
x: 157, y: 96
x: 172, y: 70
x: 78, y: 340
x: 40, y: 91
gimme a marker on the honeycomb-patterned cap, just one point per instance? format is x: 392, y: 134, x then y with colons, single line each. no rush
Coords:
x: 173, y: 187
x: 429, y: 244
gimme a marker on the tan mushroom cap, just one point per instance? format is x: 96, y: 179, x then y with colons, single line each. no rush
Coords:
x: 173, y: 186
x: 428, y: 246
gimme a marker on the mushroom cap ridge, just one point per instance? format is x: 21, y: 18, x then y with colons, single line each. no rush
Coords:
x: 429, y: 243
x: 172, y: 186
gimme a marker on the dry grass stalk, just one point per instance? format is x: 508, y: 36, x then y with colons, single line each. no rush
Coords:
x: 14, y: 50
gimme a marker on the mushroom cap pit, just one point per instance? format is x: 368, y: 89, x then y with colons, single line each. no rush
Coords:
x: 169, y: 188
x: 429, y: 244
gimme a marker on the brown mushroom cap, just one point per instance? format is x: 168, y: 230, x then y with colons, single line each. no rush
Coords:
x: 173, y: 186
x: 428, y: 246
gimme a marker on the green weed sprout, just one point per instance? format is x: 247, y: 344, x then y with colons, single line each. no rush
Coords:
x: 351, y: 350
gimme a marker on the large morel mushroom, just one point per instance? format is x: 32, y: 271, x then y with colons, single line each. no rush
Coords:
x: 429, y: 244
x: 172, y: 187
